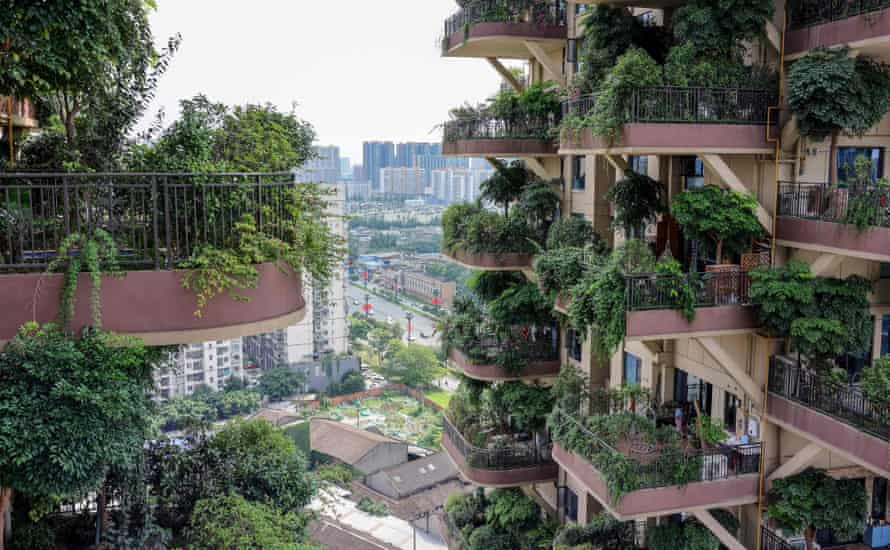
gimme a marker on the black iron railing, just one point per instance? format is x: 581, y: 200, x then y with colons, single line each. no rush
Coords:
x: 791, y: 380
x: 806, y: 13
x: 532, y: 344
x: 698, y: 105
x: 156, y: 219
x: 521, y: 126
x: 825, y: 202
x: 578, y: 106
x: 772, y: 541
x: 658, y: 467
x: 718, y: 288
x: 21, y: 107
x: 503, y: 456
x: 540, y: 12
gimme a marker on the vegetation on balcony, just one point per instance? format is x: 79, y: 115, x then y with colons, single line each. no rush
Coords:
x: 603, y: 531
x: 824, y: 317
x: 831, y: 92
x: 638, y: 200
x: 641, y: 73
x: 806, y: 13
x: 541, y: 12
x: 504, y: 518
x: 522, y: 228
x: 689, y: 533
x: 529, y: 114
x: 721, y: 219
x: 571, y: 245
x: 812, y: 500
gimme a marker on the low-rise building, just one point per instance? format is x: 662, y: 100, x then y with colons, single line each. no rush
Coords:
x: 366, y: 451
x: 428, y: 287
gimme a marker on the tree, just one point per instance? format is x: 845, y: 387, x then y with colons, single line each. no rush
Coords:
x: 505, y: 185
x: 380, y: 339
x: 875, y: 381
x: 813, y: 500
x: 280, y: 382
x: 234, y: 383
x: 726, y: 218
x: 831, y: 92
x: 782, y: 294
x: 70, y: 409
x: 574, y: 232
x: 413, y: 365
x: 351, y: 382
x: 233, y: 523
x: 511, y: 510
x: 638, y: 199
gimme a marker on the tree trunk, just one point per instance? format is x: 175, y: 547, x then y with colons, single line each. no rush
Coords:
x: 5, y: 501
x: 100, y: 516
x: 809, y: 536
x: 832, y: 158
x: 719, y: 254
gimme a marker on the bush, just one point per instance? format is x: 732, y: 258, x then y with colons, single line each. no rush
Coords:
x: 464, y: 509
x: 233, y: 523
x: 603, y: 533
x: 633, y: 70
x: 573, y: 231
x: 338, y: 474
x: 638, y: 200
x: 33, y: 536
x: 374, y: 508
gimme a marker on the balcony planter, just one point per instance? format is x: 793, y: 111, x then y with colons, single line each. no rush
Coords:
x: 493, y: 261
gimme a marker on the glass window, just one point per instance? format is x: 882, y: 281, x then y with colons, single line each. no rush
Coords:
x: 640, y: 164
x: 579, y: 175
x: 571, y: 504
x: 731, y: 406
x: 846, y: 162
x: 633, y: 367
x: 692, y: 172
x: 885, y: 335
x: 573, y: 343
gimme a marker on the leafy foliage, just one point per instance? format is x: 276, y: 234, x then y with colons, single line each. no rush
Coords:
x: 814, y: 500
x: 574, y: 232
x: 638, y: 199
x: 351, y: 382
x: 414, y: 365
x: 633, y: 69
x: 280, y: 382
x: 511, y: 510
x: 232, y: 523
x: 201, y: 408
x: 560, y: 268
x: 471, y: 228
x: 875, y: 382
x: 718, y: 29
x: 368, y: 506
x: 603, y: 532
x: 571, y: 389
x: 831, y: 92
x: 782, y: 295
x: 33, y: 536
x: 71, y: 408
x: 722, y: 217
x: 505, y: 185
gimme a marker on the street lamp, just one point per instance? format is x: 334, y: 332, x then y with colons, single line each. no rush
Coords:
x: 367, y: 306
x: 409, y: 316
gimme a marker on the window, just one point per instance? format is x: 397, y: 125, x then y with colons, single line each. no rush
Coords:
x: 692, y: 173
x: 731, y: 406
x: 640, y: 164
x: 846, y: 162
x: 633, y: 367
x: 885, y: 335
x: 579, y: 175
x: 573, y: 344
x: 571, y: 504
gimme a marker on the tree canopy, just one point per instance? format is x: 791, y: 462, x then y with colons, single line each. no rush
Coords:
x: 280, y: 382
x: 724, y: 218
x: 414, y: 365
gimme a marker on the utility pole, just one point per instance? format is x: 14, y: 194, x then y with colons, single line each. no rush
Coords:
x: 367, y: 307
x: 409, y: 316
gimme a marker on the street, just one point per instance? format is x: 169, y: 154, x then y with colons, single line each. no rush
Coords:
x: 383, y: 309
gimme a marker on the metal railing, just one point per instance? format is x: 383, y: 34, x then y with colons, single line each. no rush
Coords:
x: 671, y: 104
x: 824, y: 202
x: 155, y: 219
x: 540, y: 12
x: 506, y: 456
x: 806, y: 13
x: 578, y: 106
x: 531, y: 344
x: 485, y: 126
x: 661, y: 465
x: 21, y: 107
x: 717, y: 288
x: 772, y: 541
x: 791, y: 380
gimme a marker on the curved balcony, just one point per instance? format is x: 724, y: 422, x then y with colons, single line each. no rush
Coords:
x: 501, y: 28
x: 816, y: 216
x: 718, y: 477
x: 672, y: 120
x: 24, y: 113
x: 721, y: 305
x: 840, y: 418
x: 492, y: 261
x: 863, y: 25
x: 491, y: 136
x: 157, y: 221
x: 539, y: 352
x: 509, y: 464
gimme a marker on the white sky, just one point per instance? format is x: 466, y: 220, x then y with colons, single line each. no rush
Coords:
x: 360, y: 70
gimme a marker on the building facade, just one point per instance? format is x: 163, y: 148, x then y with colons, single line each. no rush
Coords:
x: 207, y: 364
x: 324, y: 168
x: 377, y: 155
x: 723, y: 363
x: 401, y: 182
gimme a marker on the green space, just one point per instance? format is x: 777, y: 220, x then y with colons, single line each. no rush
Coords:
x: 439, y: 397
x: 395, y: 415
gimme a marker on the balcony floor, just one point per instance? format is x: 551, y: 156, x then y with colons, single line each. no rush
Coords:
x: 869, y: 33
x: 670, y: 138
x: 513, y: 477
x: 834, y: 238
x: 505, y: 40
x: 709, y: 321
x: 494, y: 373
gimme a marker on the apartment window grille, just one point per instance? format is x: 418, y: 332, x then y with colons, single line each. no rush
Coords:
x: 579, y: 175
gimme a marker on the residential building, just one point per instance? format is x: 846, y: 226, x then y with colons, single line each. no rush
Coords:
x: 429, y: 288
x: 359, y: 174
x: 364, y: 450
x: 357, y: 190
x: 782, y: 415
x: 415, y: 476
x: 377, y: 155
x: 325, y: 167
x: 207, y: 364
x: 458, y: 184
x: 345, y: 168
x: 23, y: 119
x: 401, y: 182
x: 322, y: 331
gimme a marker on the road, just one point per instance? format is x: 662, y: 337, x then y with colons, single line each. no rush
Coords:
x: 384, y: 308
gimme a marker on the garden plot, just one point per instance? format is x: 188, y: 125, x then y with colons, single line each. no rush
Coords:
x: 396, y: 415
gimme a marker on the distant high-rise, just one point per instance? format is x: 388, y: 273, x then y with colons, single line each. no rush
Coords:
x: 358, y: 174
x: 345, y: 168
x: 375, y: 156
x: 402, y: 181
x: 324, y: 168
x: 408, y: 154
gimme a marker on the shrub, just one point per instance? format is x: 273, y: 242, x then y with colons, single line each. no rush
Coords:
x: 464, y: 509
x: 231, y: 522
x: 633, y: 70
x: 724, y: 218
x: 33, y: 536
x: 338, y: 474
x: 574, y: 231
x: 372, y: 507
x: 638, y: 200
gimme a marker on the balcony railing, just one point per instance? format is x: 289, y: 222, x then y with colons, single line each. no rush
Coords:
x: 806, y: 13
x: 656, y: 468
x: 771, y: 541
x: 21, y: 107
x: 824, y: 202
x: 670, y: 104
x: 541, y: 12
x: 532, y: 345
x: 718, y: 288
x: 848, y: 404
x: 492, y: 127
x: 505, y: 456
x: 156, y: 219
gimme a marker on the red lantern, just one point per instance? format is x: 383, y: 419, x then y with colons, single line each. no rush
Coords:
x: 366, y: 307
x: 364, y: 274
x: 436, y: 301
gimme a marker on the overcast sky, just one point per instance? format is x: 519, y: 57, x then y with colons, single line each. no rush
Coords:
x: 360, y: 70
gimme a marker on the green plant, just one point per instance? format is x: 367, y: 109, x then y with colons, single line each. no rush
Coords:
x: 233, y: 523
x: 603, y: 532
x: 560, y: 268
x: 94, y: 251
x: 710, y: 433
x: 471, y: 228
x: 464, y: 509
x: 875, y: 382
x: 638, y: 199
x: 574, y: 232
x: 505, y: 185
x: 374, y: 508
x: 633, y: 70
x: 725, y: 218
x: 782, y: 294
x: 676, y: 286
x: 33, y: 536
x: 813, y: 500
x: 511, y: 510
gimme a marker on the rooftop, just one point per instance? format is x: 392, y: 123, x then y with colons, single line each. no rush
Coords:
x: 344, y: 442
